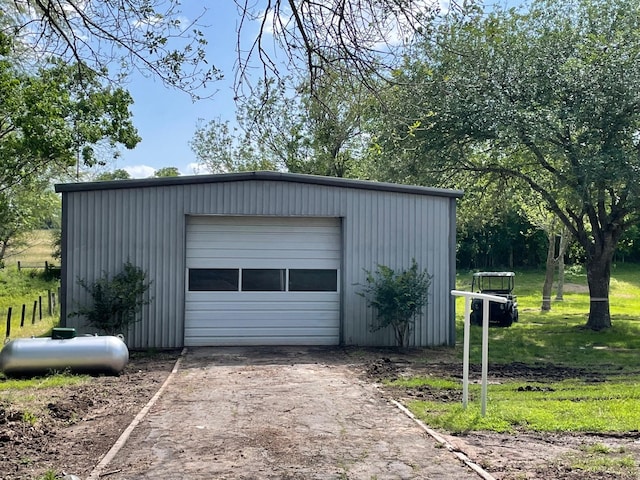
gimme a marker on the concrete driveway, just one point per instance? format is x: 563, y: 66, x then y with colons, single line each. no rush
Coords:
x: 277, y: 413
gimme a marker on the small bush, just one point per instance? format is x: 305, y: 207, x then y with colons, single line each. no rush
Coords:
x: 116, y: 301
x: 397, y: 298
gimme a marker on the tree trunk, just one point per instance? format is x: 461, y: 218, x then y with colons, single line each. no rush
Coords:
x: 560, y: 288
x: 598, y: 277
x: 550, y: 267
x: 564, y: 243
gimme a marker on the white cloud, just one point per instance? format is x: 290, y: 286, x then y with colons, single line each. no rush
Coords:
x: 195, y: 168
x: 140, y: 171
x: 370, y: 25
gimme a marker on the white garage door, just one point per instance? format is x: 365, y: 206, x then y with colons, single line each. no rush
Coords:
x: 262, y: 281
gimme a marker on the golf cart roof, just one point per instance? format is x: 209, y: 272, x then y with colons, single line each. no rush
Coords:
x: 494, y: 274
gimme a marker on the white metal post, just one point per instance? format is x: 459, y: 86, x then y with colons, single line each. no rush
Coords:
x: 465, y: 354
x: 485, y: 342
x: 485, y: 354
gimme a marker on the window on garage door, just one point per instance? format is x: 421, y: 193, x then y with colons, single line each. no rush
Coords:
x: 313, y: 280
x: 263, y: 280
x: 214, y: 279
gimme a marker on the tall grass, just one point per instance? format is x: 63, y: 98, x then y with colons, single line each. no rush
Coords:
x: 38, y: 251
x: 25, y: 287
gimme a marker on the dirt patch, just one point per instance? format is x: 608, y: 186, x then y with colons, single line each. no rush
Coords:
x: 69, y: 429
x: 525, y: 455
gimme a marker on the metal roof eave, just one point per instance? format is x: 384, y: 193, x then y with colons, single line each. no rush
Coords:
x: 262, y: 175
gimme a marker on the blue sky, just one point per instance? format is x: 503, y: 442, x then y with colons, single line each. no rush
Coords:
x: 166, y: 119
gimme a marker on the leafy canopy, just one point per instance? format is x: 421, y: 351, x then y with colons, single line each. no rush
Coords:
x: 57, y: 117
x: 548, y: 96
x: 150, y: 36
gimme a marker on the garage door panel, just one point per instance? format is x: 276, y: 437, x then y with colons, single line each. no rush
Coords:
x: 252, y: 318
x: 312, y: 243
x: 246, y: 340
x: 262, y: 318
x: 320, y: 236
x: 260, y: 335
x: 214, y: 309
x: 258, y: 253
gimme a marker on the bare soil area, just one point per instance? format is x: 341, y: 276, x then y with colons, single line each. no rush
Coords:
x: 70, y: 429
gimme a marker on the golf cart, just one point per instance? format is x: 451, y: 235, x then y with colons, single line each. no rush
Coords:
x: 495, y: 283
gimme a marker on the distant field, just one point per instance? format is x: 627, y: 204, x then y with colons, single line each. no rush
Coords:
x: 40, y: 250
x: 17, y: 289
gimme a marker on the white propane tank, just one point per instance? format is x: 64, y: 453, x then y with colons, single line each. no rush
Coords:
x: 90, y: 354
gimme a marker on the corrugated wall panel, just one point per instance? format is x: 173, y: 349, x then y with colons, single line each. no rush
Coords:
x: 104, y: 228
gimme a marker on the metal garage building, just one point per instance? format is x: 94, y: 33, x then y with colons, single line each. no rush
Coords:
x: 260, y: 258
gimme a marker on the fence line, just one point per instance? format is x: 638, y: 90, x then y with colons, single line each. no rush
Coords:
x: 51, y: 269
x: 36, y: 313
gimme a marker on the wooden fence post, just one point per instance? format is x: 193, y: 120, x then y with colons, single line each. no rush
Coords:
x: 33, y: 315
x: 49, y: 302
x: 40, y: 307
x: 8, y: 323
x: 24, y: 309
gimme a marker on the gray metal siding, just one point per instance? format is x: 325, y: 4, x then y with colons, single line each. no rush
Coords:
x: 146, y: 225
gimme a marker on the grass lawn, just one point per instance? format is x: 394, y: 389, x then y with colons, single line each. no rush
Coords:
x: 579, y: 403
x: 25, y: 287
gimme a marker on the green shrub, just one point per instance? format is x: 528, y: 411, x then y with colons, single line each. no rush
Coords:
x: 116, y: 301
x: 397, y: 298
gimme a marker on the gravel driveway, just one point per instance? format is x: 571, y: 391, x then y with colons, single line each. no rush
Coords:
x: 277, y: 413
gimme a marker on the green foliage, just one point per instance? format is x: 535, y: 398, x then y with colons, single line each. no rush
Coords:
x: 49, y: 475
x: 397, y: 298
x: 167, y: 172
x: 56, y: 116
x: 148, y: 36
x: 117, y: 174
x: 317, y: 134
x: 117, y: 301
x: 223, y: 149
x: 29, y: 417
x: 25, y: 207
x: 545, y: 95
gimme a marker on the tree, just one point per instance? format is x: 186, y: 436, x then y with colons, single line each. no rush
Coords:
x: 56, y: 118
x: 276, y: 129
x: 23, y: 208
x: 167, y: 172
x: 152, y: 36
x: 361, y: 39
x: 550, y: 97
x: 221, y: 148
x: 117, y: 174
x: 557, y: 243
